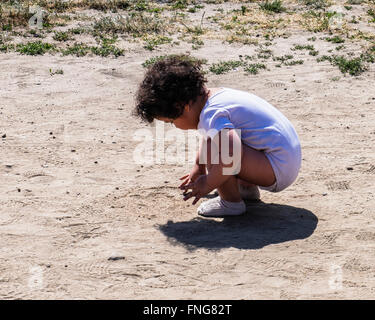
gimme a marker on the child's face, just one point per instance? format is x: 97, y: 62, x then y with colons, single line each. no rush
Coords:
x: 185, y: 122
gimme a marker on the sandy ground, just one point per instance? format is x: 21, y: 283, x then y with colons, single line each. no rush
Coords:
x: 80, y: 220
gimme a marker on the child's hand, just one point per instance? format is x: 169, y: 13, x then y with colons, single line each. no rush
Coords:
x: 192, y: 176
x: 199, y: 189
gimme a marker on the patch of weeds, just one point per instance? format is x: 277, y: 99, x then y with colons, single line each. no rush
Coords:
x: 153, y: 42
x: 35, y: 33
x: 312, y: 51
x: 244, y: 62
x: 311, y: 39
x: 196, y: 43
x: 7, y: 47
x: 7, y: 27
x: 316, y: 4
x: 35, y: 48
x: 254, y: 68
x: 148, y: 63
x: 62, y: 36
x: 283, y: 58
x: 77, y: 49
x: 274, y: 6
x: 287, y: 60
x: 302, y: 47
x: 58, y: 71
x: 353, y: 20
x: 355, y: 1
x: 195, y: 30
x: 338, y: 48
x: 316, y: 21
x: 78, y: 30
x: 264, y: 54
x: 110, y: 5
x: 179, y: 4
x: 107, y: 48
x: 371, y: 13
x: 241, y: 39
x: 136, y: 24
x: 335, y: 39
x: 225, y: 66
x: 348, y: 8
x: 192, y: 10
x: 353, y: 66
x: 293, y: 62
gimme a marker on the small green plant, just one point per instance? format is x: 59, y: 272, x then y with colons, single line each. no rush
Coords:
x: 6, y: 47
x: 225, y: 66
x: 302, y: 47
x: 136, y: 24
x: 196, y: 43
x: 62, y: 36
x: 274, y: 6
x: 7, y: 27
x: 78, y: 30
x: 153, y: 42
x: 35, y: 48
x: 335, y: 39
x: 293, y: 62
x: 58, y: 71
x: 77, y: 49
x: 148, y: 63
x: 338, y: 48
x: 264, y: 54
x: 316, y: 4
x: 180, y: 4
x: 107, y: 48
x: 371, y: 13
x: 287, y: 60
x: 354, y: 66
x: 254, y: 68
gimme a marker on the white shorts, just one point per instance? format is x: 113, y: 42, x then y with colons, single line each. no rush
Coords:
x: 286, y: 165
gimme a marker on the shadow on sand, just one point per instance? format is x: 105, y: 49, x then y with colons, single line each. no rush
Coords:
x: 263, y: 224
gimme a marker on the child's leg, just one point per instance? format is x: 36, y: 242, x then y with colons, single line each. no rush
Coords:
x: 255, y: 171
x: 255, y: 168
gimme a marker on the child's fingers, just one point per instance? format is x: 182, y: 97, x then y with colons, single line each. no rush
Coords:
x: 188, y: 196
x: 196, y: 199
x: 188, y: 186
x: 184, y: 183
x: 184, y: 177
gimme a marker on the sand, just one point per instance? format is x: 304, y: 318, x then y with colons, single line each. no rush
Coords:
x: 80, y: 220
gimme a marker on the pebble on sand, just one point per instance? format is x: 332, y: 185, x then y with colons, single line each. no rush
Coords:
x: 114, y: 258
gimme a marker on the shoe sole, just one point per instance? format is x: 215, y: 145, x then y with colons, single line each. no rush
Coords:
x: 222, y: 216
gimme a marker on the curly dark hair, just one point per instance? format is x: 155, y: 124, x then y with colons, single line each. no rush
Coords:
x: 169, y: 84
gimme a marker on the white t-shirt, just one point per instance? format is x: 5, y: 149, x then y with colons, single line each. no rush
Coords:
x: 262, y: 126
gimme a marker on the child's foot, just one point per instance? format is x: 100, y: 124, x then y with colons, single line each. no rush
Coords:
x: 249, y: 193
x: 217, y: 208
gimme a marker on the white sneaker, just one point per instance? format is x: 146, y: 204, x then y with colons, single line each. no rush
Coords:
x: 218, y: 208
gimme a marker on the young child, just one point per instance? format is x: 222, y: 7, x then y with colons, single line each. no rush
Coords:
x: 174, y: 91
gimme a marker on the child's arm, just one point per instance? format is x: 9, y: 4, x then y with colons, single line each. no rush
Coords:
x: 198, y: 168
x: 217, y: 175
